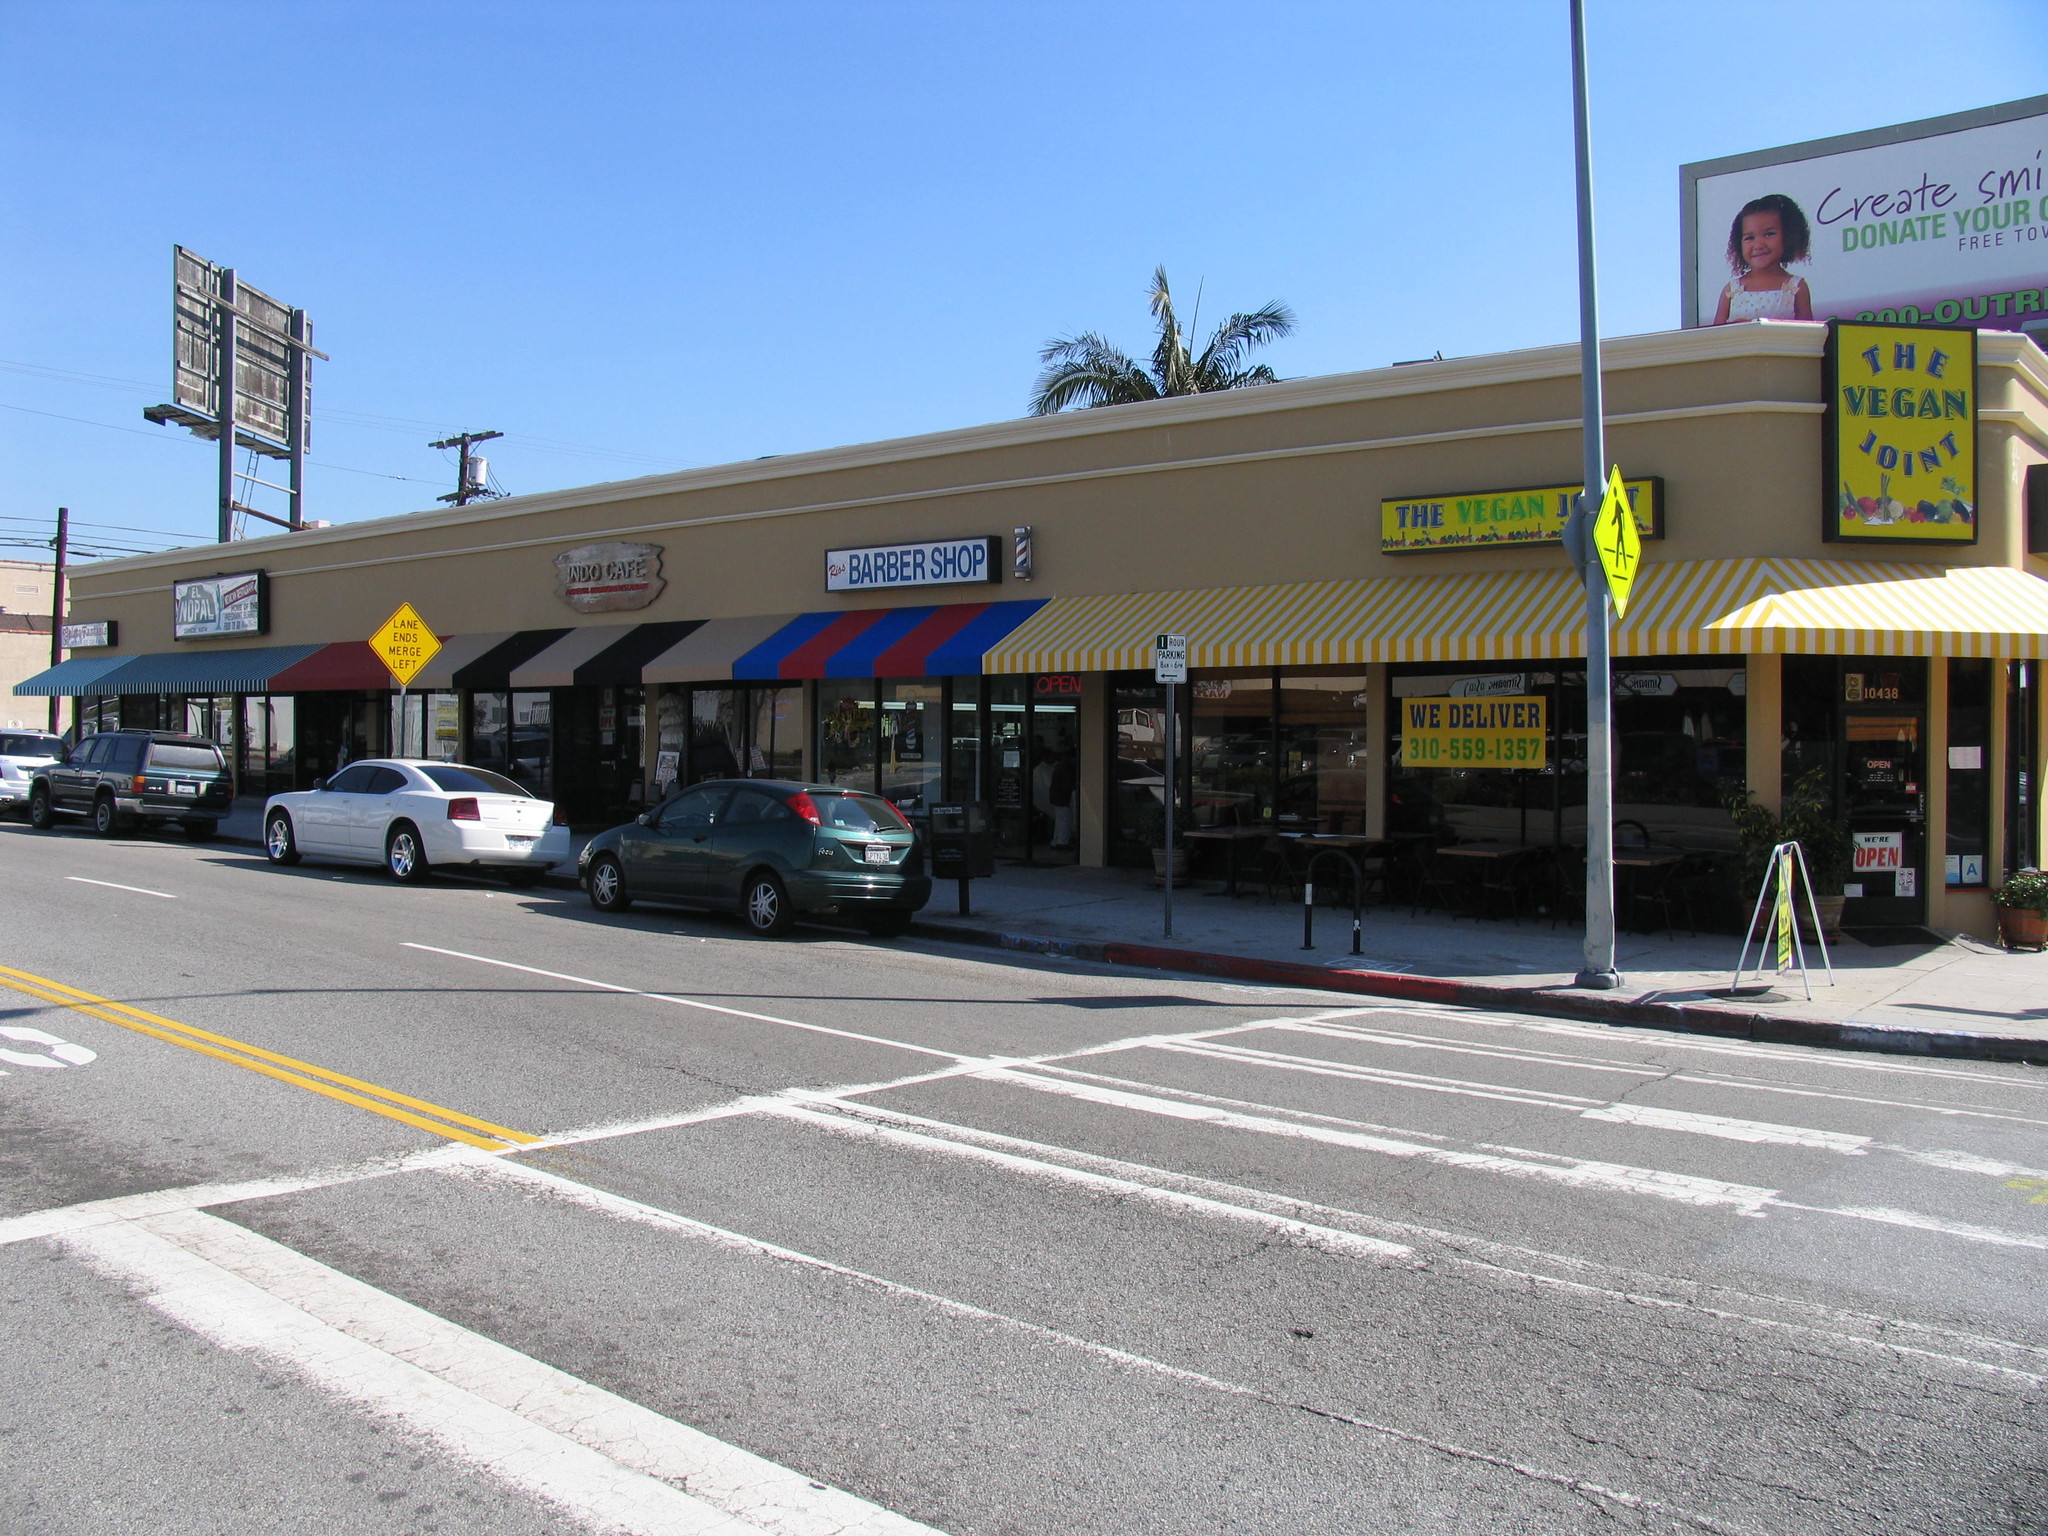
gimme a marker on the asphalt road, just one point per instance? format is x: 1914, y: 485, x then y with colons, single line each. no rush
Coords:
x: 331, y: 1205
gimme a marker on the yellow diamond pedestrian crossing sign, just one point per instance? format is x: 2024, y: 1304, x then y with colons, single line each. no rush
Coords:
x: 1618, y: 541
x: 405, y: 644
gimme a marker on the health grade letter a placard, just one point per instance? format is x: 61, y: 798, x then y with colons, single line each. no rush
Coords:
x: 405, y: 644
x: 1508, y: 732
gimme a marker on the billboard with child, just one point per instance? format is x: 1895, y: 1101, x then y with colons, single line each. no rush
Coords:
x: 1941, y: 222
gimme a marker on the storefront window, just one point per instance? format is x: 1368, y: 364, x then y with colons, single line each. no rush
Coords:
x: 913, y: 742
x: 777, y: 748
x: 1969, y: 775
x: 718, y: 733
x: 2022, y: 756
x: 964, y: 776
x: 1137, y: 770
x: 1486, y: 804
x: 1230, y: 749
x: 1008, y: 764
x: 490, y: 716
x: 533, y: 742
x: 1681, y: 729
x: 283, y: 746
x: 255, y: 766
x: 847, y: 735
x: 1323, y: 749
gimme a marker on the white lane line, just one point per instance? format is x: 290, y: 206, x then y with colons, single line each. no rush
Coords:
x: 1042, y: 1158
x: 1582, y: 1063
x: 621, y: 1208
x: 1886, y: 1216
x: 1728, y: 1128
x: 1611, y: 1034
x: 1322, y: 1066
x: 1310, y: 1235
x: 110, y: 885
x: 1580, y: 1173
x: 684, y: 1002
x: 596, y: 1455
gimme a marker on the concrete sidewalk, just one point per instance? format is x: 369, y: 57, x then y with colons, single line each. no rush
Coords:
x: 1959, y: 998
x: 1962, y: 997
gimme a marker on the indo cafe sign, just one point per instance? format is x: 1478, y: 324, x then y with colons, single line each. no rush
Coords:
x: 1939, y: 222
x: 609, y: 578
x: 931, y: 563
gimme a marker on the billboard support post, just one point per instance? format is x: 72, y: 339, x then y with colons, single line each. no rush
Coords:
x: 226, y: 386
x: 57, y: 605
x: 1598, y: 971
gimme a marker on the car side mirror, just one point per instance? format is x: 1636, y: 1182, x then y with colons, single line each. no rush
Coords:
x: 318, y: 785
x: 645, y: 818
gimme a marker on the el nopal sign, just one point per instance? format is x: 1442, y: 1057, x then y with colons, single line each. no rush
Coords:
x: 404, y: 644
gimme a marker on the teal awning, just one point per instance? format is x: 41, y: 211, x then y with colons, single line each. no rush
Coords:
x: 70, y: 677
x: 248, y: 670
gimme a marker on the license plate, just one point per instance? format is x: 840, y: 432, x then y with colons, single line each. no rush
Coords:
x: 878, y: 853
x: 514, y: 840
x: 184, y: 789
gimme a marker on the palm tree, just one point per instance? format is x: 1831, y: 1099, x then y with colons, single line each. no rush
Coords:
x: 1087, y: 370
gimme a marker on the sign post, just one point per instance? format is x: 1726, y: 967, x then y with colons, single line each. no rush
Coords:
x: 405, y: 645
x: 1170, y: 666
x: 1598, y: 971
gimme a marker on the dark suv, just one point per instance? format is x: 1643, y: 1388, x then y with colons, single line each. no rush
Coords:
x: 118, y: 778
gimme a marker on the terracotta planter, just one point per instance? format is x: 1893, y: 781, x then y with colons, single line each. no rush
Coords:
x: 1180, y: 866
x: 1830, y: 916
x: 2021, y: 929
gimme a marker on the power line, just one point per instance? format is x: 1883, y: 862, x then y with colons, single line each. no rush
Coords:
x: 155, y: 437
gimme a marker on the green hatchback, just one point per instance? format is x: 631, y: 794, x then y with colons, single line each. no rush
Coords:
x: 771, y: 850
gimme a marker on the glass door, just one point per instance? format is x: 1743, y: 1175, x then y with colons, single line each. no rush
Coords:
x: 1886, y: 802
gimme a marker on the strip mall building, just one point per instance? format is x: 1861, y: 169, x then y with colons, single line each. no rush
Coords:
x: 873, y: 615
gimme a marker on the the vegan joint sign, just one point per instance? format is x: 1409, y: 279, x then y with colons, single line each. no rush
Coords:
x: 404, y: 644
x: 1489, y: 519
x: 1901, y: 434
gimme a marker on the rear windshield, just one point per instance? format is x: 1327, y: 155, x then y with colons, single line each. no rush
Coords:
x: 475, y: 781
x: 31, y: 746
x: 170, y: 754
x: 861, y: 813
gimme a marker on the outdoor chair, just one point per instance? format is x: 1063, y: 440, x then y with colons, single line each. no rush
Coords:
x: 1512, y: 883
x: 1567, y: 885
x: 1282, y: 864
x: 1441, y: 882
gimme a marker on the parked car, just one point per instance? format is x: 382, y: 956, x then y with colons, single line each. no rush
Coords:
x: 770, y: 849
x: 119, y: 779
x: 21, y: 754
x: 415, y: 815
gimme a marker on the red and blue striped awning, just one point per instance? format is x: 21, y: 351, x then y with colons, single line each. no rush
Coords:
x: 947, y: 640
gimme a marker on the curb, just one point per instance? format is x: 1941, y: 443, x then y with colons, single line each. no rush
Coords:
x: 1681, y: 1018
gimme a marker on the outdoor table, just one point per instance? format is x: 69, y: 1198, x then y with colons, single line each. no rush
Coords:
x: 1233, y: 838
x: 1483, y: 850
x: 1650, y: 857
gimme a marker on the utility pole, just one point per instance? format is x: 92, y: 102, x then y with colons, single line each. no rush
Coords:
x: 227, y: 386
x: 1598, y: 972
x: 57, y: 605
x: 470, y: 471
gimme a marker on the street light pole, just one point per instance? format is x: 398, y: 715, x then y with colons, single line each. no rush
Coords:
x: 1598, y: 970
x: 57, y: 606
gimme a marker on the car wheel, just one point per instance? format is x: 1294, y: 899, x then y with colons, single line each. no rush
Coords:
x: 106, y: 816
x: 280, y: 846
x: 887, y: 925
x: 201, y: 831
x: 40, y: 816
x: 764, y: 906
x: 608, y: 885
x: 403, y: 854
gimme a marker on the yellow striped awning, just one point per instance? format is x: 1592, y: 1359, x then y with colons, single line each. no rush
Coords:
x: 1681, y: 607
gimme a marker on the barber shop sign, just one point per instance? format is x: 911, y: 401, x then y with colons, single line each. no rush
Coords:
x: 609, y: 578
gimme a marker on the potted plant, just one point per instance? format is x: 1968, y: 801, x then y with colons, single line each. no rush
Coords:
x: 1149, y: 823
x: 2022, y: 904
x: 1808, y: 820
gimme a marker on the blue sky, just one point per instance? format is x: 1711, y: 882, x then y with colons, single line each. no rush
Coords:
x: 645, y: 237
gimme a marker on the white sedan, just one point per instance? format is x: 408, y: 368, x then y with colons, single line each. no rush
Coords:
x: 413, y: 816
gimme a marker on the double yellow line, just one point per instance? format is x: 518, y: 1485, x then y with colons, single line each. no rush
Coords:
x: 300, y: 1074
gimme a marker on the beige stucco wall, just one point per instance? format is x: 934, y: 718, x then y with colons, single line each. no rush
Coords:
x: 1269, y: 485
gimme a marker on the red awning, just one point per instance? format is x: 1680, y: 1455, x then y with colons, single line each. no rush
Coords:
x: 344, y: 665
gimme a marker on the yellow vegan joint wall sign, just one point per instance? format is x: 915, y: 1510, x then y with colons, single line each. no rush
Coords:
x: 1507, y: 732
x: 1489, y: 519
x: 1901, y: 434
x: 405, y: 644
